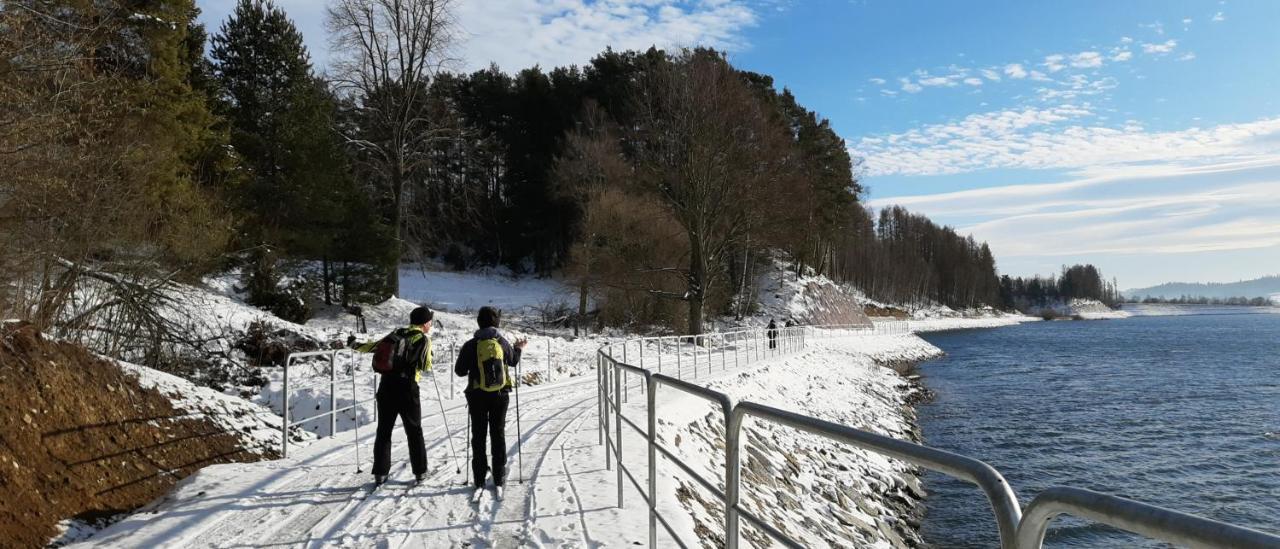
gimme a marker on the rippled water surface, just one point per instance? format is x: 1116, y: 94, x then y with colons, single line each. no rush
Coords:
x: 1179, y: 411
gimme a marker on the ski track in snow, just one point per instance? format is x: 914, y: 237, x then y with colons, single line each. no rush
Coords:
x: 316, y: 498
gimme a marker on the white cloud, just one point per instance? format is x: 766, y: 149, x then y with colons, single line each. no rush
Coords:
x: 877, y: 81
x: 934, y: 81
x: 973, y: 81
x: 1218, y: 17
x: 1086, y: 60
x: 1187, y: 56
x: 1122, y: 55
x: 564, y: 32
x: 1126, y: 40
x: 1055, y: 62
x: 991, y: 74
x: 1213, y: 222
x: 1162, y: 209
x: 909, y: 86
x: 1160, y: 49
x: 517, y: 34
x: 1158, y: 27
x: 1057, y: 137
x: 1015, y: 71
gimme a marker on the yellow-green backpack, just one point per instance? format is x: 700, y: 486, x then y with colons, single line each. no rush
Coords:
x: 492, y: 367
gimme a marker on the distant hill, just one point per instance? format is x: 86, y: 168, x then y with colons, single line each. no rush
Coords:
x: 1267, y: 286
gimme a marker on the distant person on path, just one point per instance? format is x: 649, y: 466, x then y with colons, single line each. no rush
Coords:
x: 773, y: 334
x: 486, y: 361
x: 401, y: 357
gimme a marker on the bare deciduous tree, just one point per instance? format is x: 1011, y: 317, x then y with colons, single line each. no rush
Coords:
x: 591, y: 163
x: 715, y: 154
x: 388, y: 53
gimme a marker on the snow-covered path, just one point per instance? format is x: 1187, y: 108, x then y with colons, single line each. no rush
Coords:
x: 316, y: 497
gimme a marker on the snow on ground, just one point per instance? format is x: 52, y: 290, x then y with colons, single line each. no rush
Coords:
x: 832, y: 496
x: 1092, y: 309
x: 317, y: 496
x: 257, y: 426
x: 786, y: 295
x: 940, y: 324
x: 825, y: 494
x: 463, y: 291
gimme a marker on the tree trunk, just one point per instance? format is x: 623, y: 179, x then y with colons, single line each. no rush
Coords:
x: 582, y: 304
x: 346, y: 284
x: 397, y: 218
x: 697, y: 284
x: 328, y: 279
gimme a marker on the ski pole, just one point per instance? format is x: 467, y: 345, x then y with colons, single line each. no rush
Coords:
x: 447, y: 433
x: 519, y: 432
x: 468, y: 445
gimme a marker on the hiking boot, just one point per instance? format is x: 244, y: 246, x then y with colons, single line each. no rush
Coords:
x: 419, y: 477
x: 378, y: 480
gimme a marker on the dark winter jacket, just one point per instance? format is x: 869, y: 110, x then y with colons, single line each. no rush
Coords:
x: 468, y: 365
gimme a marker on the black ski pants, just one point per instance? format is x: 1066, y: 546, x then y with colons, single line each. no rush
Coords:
x: 488, y: 414
x: 399, y: 398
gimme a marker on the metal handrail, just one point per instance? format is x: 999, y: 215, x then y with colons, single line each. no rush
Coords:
x: 1004, y: 503
x: 333, y: 381
x: 1017, y: 530
x: 1136, y: 517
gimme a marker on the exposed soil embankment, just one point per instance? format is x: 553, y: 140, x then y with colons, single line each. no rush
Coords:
x: 81, y: 437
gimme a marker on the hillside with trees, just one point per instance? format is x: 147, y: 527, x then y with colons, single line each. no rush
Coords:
x: 1246, y: 290
x: 661, y: 183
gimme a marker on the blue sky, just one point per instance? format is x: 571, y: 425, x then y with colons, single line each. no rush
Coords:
x: 1141, y: 136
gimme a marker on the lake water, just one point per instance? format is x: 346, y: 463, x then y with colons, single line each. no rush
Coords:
x: 1181, y: 411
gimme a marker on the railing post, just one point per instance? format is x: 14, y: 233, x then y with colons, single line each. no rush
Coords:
x: 333, y: 394
x: 284, y: 411
x: 610, y: 400
x: 679, y: 368
x: 732, y: 475
x: 653, y: 463
x: 736, y: 349
x: 626, y: 389
x: 599, y: 400
x: 659, y: 354
x: 617, y: 444
x: 710, y: 344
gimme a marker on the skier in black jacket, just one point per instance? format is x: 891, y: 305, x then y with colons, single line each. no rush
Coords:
x: 398, y: 396
x: 487, y: 397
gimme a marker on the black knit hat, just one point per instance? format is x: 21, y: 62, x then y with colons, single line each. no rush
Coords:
x: 420, y: 315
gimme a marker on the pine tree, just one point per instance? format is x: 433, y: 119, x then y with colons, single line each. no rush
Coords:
x: 282, y: 126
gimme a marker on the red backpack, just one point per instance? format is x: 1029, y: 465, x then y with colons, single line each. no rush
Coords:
x: 391, y: 355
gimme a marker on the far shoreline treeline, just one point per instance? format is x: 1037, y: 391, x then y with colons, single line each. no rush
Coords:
x: 1238, y: 301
